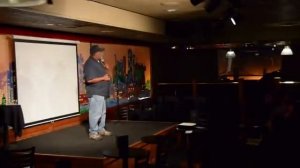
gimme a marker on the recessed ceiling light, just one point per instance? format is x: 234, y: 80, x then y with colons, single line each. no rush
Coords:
x: 190, y: 48
x: 50, y: 24
x: 171, y: 10
x: 288, y: 82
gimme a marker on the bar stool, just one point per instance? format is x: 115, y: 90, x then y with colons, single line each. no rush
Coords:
x: 187, y: 130
x: 15, y: 158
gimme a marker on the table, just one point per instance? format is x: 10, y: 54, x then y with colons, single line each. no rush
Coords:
x: 11, y: 115
x: 132, y: 153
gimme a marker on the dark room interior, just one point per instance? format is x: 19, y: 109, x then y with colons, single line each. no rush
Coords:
x: 230, y: 68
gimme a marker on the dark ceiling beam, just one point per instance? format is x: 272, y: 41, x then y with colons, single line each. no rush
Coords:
x: 196, y: 2
x: 49, y: 2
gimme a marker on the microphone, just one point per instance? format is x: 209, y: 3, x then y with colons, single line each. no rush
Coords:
x: 103, y: 63
x: 102, y: 60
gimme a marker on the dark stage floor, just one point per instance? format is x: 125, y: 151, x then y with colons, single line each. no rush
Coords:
x: 74, y: 141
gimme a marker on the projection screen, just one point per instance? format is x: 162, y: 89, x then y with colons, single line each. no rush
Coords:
x: 47, y: 79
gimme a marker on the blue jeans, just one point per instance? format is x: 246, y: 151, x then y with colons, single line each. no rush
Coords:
x: 97, y: 113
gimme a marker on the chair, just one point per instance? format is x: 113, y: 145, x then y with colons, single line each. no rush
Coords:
x: 123, y: 113
x: 142, y: 160
x: 122, y: 145
x: 124, y: 152
x: 20, y: 158
x: 161, y: 143
x: 128, y: 112
x: 141, y: 156
x: 147, y: 110
x: 133, y: 111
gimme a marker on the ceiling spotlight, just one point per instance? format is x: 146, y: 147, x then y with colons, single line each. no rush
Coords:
x: 287, y: 50
x: 232, y: 21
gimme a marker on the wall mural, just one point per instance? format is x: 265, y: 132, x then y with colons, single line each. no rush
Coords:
x: 6, y: 69
x: 129, y: 67
x: 83, y: 100
x: 7, y: 86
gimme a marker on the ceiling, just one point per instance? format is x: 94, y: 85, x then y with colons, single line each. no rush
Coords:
x: 161, y: 9
x: 264, y: 12
x: 206, y: 22
x: 169, y: 10
x: 185, y: 11
x: 23, y: 18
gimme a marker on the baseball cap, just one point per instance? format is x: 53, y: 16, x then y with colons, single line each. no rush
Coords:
x: 95, y: 48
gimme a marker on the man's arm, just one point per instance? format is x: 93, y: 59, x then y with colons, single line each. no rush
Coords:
x: 99, y: 79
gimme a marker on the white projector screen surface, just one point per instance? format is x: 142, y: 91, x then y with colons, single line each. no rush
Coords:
x: 47, y: 79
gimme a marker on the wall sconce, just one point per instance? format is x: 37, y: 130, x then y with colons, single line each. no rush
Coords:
x: 229, y: 55
x: 287, y: 50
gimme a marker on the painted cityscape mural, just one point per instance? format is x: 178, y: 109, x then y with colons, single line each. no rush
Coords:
x: 129, y: 69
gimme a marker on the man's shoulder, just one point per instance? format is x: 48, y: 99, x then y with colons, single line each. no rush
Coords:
x: 88, y: 62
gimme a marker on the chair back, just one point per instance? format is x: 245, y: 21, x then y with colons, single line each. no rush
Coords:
x: 123, y: 113
x: 21, y: 158
x: 122, y: 145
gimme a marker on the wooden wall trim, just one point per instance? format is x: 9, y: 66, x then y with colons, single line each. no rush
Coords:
x: 16, y: 30
x: 48, y: 127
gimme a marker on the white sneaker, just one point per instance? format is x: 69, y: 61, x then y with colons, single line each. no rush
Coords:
x: 95, y: 136
x: 105, y: 133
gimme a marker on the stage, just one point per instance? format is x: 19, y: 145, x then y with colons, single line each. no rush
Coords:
x: 73, y: 144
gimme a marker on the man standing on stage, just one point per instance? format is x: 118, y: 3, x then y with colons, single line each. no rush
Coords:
x: 97, y: 88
